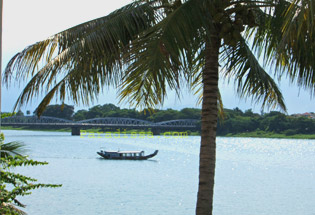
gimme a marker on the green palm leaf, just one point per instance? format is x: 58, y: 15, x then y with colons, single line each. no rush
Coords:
x: 285, y: 40
x: 162, y: 55
x: 11, y: 149
x: 96, y: 46
x: 250, y: 77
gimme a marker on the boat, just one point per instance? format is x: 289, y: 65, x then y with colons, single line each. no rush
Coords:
x: 126, y: 155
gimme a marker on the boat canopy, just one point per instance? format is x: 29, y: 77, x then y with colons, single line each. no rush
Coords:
x: 126, y: 155
x: 125, y: 152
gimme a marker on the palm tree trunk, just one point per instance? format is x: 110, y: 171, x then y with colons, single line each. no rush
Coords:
x: 208, y: 128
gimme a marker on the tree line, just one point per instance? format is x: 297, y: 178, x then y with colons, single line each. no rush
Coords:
x: 236, y: 121
x: 233, y: 121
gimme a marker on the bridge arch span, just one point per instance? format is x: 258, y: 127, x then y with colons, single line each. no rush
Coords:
x: 179, y: 123
x: 116, y: 121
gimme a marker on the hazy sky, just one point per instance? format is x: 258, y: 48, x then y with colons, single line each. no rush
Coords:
x: 28, y: 21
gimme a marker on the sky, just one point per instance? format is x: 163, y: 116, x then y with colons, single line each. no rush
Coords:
x: 26, y: 22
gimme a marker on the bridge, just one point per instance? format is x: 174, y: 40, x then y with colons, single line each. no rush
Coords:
x: 107, y: 122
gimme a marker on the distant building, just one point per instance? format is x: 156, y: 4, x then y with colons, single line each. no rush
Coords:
x: 310, y: 115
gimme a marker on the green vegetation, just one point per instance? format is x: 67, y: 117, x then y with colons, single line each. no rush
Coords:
x: 109, y: 110
x: 12, y: 184
x: 271, y: 125
x: 264, y: 134
x: 153, y: 115
x: 35, y: 129
x: 147, y: 48
x: 234, y: 123
x: 7, y: 114
x: 63, y: 111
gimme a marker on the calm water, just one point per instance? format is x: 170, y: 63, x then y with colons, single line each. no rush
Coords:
x: 253, y: 176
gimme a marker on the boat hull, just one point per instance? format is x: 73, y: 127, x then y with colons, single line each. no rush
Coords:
x: 105, y: 156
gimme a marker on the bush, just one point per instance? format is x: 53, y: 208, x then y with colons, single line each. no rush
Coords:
x: 13, y: 185
x: 290, y: 132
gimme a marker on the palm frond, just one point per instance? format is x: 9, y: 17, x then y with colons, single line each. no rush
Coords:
x: 162, y: 54
x: 250, y: 77
x: 96, y: 46
x: 286, y: 41
x: 297, y: 50
x: 11, y: 149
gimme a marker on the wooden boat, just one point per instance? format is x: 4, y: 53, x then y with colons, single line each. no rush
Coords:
x: 126, y: 155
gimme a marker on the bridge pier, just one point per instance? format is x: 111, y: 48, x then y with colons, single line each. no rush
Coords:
x: 75, y: 131
x: 156, y: 131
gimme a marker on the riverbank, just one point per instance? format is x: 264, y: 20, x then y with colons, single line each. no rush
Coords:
x: 33, y: 129
x: 260, y: 134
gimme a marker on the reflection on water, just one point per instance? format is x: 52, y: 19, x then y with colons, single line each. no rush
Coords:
x: 253, y: 176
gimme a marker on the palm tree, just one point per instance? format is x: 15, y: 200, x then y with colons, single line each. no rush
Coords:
x: 150, y: 47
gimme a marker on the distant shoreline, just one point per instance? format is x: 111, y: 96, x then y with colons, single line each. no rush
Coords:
x: 248, y: 134
x: 272, y: 135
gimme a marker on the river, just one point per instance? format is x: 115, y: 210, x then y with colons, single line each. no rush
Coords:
x: 253, y: 176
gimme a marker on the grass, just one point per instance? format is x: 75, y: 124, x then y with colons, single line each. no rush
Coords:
x: 264, y: 134
x: 34, y: 129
